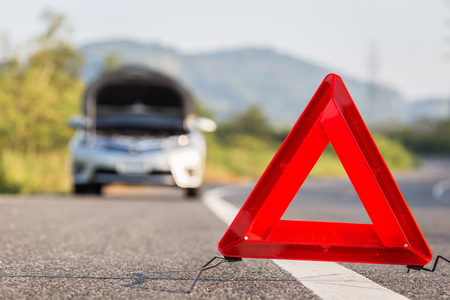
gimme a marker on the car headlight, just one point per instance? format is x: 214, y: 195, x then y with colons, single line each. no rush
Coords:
x: 183, y: 140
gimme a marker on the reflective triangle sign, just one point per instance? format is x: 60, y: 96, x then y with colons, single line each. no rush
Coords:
x: 392, y: 238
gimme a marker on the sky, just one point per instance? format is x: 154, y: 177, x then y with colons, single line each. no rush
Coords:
x: 402, y: 44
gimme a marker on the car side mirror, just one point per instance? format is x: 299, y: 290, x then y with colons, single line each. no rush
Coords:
x: 205, y: 125
x: 78, y: 122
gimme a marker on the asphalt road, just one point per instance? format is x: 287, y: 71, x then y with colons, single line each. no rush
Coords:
x: 123, y: 247
x: 150, y: 243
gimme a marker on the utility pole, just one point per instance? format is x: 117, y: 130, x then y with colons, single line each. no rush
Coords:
x: 372, y: 85
x: 446, y: 54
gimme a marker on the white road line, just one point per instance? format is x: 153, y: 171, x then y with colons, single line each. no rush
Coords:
x: 222, y: 209
x: 327, y: 280
x: 439, y: 189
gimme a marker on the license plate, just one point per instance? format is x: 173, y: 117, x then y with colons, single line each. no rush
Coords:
x: 131, y: 167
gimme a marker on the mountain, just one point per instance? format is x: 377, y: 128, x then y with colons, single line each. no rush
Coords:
x: 229, y: 81
x: 437, y: 109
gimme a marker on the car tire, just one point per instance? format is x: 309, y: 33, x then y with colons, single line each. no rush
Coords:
x: 79, y: 189
x: 87, y: 189
x: 193, y: 193
x: 95, y: 189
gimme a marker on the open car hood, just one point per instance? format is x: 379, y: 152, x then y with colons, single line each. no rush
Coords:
x: 136, y: 98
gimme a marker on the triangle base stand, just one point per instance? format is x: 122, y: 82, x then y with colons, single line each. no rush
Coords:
x: 422, y: 268
x: 208, y: 265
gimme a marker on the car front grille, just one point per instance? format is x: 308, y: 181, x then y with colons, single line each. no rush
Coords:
x: 110, y: 171
x: 133, y: 149
x: 155, y: 177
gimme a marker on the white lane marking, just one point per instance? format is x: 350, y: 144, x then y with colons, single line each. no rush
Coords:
x: 439, y: 189
x: 327, y: 280
x: 224, y: 210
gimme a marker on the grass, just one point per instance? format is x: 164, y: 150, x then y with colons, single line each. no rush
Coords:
x: 34, y: 173
x: 246, y: 158
x: 235, y: 159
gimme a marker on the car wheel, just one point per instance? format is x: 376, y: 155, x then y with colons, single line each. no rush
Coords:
x: 79, y: 189
x: 84, y: 189
x: 95, y: 189
x: 192, y: 193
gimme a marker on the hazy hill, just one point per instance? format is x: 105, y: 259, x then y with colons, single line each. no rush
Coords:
x: 229, y: 81
x: 427, y: 109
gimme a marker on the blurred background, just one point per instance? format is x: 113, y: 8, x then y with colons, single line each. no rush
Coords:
x: 252, y: 65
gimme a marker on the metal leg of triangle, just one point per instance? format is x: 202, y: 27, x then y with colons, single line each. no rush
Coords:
x: 420, y: 268
x: 209, y: 266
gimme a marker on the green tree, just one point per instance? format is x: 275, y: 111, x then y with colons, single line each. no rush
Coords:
x: 252, y: 122
x: 425, y: 137
x: 201, y: 110
x: 38, y: 94
x: 111, y: 61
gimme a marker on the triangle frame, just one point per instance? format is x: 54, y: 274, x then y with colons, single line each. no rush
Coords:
x: 393, y: 237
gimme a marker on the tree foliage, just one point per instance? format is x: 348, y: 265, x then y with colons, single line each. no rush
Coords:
x: 111, y: 62
x: 425, y: 137
x: 39, y: 92
x: 251, y: 122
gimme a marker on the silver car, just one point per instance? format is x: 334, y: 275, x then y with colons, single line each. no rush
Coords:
x: 138, y: 127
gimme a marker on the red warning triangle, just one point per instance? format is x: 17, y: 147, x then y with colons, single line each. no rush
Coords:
x: 392, y: 238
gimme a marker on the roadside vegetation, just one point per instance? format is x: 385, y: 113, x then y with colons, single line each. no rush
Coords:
x: 244, y: 145
x: 42, y: 88
x: 429, y: 137
x: 39, y: 90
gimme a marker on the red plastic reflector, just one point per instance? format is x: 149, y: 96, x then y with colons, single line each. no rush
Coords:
x: 392, y: 238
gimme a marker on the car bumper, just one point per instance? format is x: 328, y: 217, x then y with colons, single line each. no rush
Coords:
x: 178, y: 168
